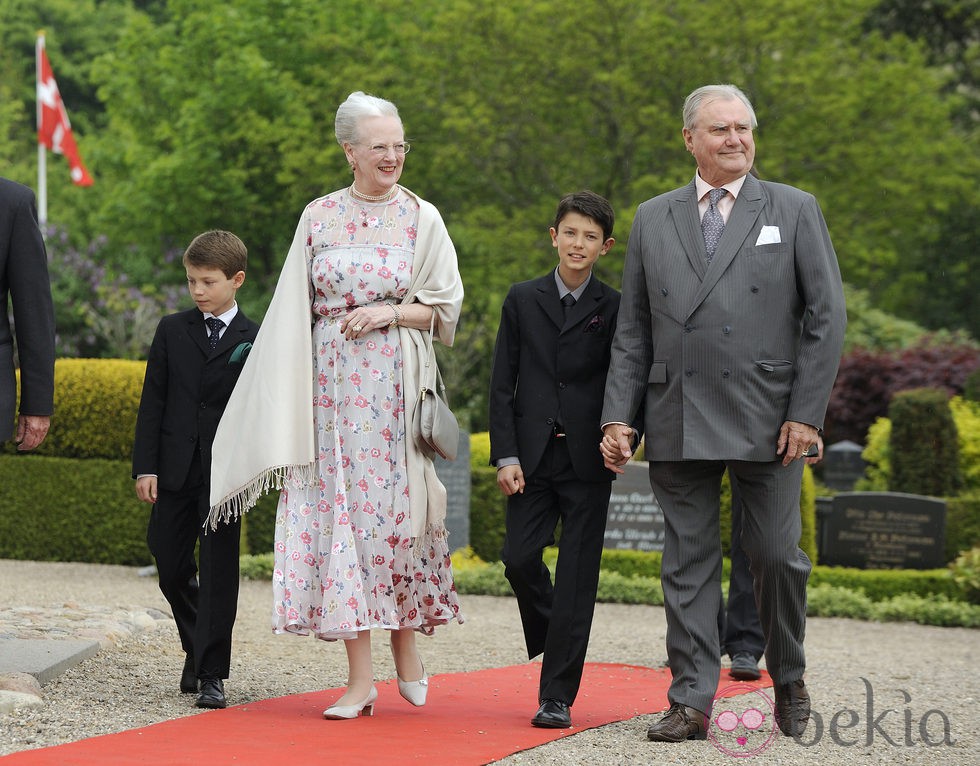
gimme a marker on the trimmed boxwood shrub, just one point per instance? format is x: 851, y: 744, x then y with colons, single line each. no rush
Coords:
x: 488, y: 505
x: 259, y: 525
x: 95, y: 406
x: 881, y: 584
x: 962, y: 511
x: 59, y: 509
x: 962, y: 524
x: 924, y: 446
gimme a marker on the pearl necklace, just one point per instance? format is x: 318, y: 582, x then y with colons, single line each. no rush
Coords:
x: 372, y: 198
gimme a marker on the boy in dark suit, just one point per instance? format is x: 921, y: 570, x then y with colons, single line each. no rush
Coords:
x: 546, y: 388
x: 193, y: 365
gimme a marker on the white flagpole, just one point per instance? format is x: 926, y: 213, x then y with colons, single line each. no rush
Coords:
x: 42, y: 158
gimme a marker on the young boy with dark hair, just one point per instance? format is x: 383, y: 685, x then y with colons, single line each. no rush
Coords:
x: 193, y: 364
x: 546, y: 390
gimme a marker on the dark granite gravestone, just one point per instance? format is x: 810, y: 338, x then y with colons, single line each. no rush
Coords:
x: 883, y: 530
x: 455, y: 475
x: 635, y: 521
x: 843, y: 465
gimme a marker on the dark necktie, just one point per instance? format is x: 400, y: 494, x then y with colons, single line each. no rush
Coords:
x: 214, y: 330
x: 567, y: 301
x: 712, y: 225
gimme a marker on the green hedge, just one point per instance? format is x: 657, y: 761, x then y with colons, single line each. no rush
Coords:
x: 962, y: 510
x: 259, y: 525
x: 59, y: 509
x: 488, y: 505
x: 881, y: 584
x: 100, y: 519
x: 962, y: 524
x: 923, y: 445
x: 901, y: 596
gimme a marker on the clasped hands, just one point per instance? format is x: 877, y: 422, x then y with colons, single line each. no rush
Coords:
x: 363, y: 319
x: 616, y: 446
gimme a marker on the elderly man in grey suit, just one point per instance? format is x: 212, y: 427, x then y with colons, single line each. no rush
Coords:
x: 730, y: 331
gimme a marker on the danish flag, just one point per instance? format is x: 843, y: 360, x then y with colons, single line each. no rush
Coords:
x: 53, y: 127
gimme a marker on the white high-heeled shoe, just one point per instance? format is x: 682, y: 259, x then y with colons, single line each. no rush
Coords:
x: 366, y: 707
x: 414, y: 691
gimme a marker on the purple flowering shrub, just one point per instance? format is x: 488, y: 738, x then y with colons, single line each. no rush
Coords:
x: 101, y: 310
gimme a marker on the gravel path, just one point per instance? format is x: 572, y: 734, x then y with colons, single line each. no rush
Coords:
x: 923, y: 675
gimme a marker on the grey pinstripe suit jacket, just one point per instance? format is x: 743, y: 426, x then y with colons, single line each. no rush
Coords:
x: 724, y: 354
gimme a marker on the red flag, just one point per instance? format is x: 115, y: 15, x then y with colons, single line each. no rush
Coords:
x: 53, y: 127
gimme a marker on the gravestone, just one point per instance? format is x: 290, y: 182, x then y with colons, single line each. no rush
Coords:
x: 843, y: 465
x: 455, y: 475
x: 883, y: 530
x: 636, y: 520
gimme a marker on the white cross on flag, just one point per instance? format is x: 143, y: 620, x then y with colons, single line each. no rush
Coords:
x: 53, y: 127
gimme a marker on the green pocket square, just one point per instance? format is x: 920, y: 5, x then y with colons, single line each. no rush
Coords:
x: 240, y: 354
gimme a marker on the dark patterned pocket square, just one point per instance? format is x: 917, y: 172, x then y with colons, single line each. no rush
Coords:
x: 595, y: 324
x: 240, y: 354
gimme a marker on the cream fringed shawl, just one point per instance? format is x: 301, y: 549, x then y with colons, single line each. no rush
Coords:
x: 267, y: 430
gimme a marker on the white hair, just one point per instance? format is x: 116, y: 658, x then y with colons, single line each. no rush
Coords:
x: 708, y: 93
x: 358, y: 106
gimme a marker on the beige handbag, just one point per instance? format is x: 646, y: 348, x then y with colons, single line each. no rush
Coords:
x: 435, y: 427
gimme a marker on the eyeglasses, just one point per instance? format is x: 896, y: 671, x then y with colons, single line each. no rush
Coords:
x: 382, y: 149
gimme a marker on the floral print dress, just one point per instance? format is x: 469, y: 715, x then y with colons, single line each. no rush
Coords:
x: 344, y: 556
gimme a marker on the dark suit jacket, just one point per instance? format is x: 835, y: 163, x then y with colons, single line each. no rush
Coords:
x: 544, y: 371
x: 185, y: 390
x: 24, y: 280
x: 724, y: 354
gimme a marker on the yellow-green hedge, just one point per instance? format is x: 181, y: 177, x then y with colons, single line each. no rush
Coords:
x: 95, y: 405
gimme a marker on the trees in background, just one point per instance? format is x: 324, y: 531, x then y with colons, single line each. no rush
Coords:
x: 196, y: 115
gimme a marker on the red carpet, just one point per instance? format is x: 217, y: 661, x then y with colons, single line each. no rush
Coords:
x: 477, y: 717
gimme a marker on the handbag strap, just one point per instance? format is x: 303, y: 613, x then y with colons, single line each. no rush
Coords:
x: 430, y: 359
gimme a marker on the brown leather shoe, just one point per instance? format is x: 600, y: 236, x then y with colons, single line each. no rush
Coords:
x: 680, y: 723
x: 792, y: 708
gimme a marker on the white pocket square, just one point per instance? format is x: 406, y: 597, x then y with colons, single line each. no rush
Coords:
x: 768, y: 236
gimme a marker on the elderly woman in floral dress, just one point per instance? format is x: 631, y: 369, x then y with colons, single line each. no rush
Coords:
x: 360, y: 535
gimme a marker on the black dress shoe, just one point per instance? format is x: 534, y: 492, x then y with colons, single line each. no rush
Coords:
x: 212, y: 694
x: 188, y: 678
x: 680, y: 723
x: 792, y: 708
x: 553, y: 714
x: 745, y: 667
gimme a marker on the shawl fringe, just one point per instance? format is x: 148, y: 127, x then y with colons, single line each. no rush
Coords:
x: 433, y: 531
x: 235, y: 504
